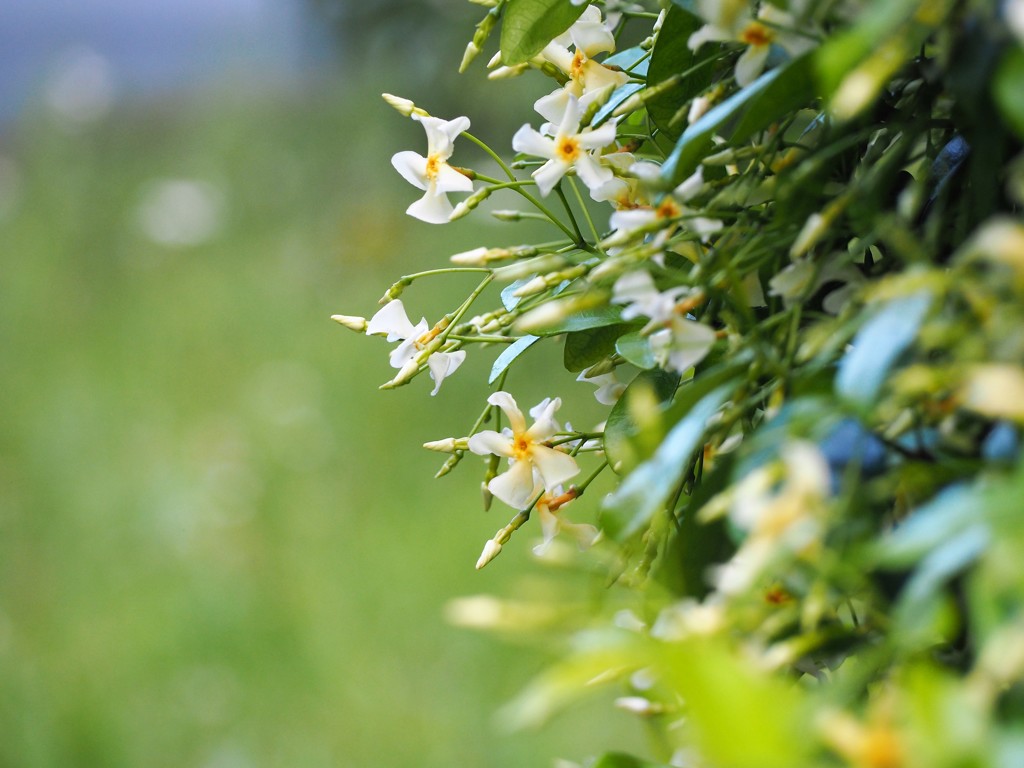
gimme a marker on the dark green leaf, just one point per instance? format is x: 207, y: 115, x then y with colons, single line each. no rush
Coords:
x: 878, y: 345
x: 584, y: 348
x: 511, y: 352
x: 648, y: 487
x: 772, y: 96
x: 529, y: 25
x: 672, y: 56
x: 628, y: 440
x: 636, y: 348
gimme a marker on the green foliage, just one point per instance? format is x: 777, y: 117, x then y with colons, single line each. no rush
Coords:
x: 798, y: 284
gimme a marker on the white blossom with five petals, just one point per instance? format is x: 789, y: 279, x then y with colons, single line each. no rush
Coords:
x: 432, y: 173
x: 566, y: 148
x: 532, y: 463
x: 391, y: 320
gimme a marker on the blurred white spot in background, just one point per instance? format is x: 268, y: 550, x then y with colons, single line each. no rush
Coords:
x: 181, y: 212
x: 80, y: 90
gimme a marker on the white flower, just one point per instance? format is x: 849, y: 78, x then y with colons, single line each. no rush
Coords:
x: 803, y: 278
x: 552, y: 523
x: 781, y: 507
x: 678, y: 343
x: 633, y: 222
x: 570, y: 148
x: 432, y: 173
x: 609, y: 388
x: 729, y: 22
x: 589, y: 80
x: 531, y: 463
x: 392, y: 320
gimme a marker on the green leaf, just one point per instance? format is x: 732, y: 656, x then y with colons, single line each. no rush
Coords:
x: 635, y: 425
x: 508, y: 298
x: 514, y: 350
x: 636, y: 348
x: 772, y: 96
x: 622, y: 760
x: 627, y: 60
x: 584, y: 348
x: 673, y: 56
x: 529, y: 25
x: 583, y: 319
x: 878, y: 345
x: 648, y: 487
x: 1008, y: 91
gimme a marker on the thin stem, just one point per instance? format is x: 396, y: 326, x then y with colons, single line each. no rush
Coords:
x: 494, y: 155
x: 583, y: 207
x: 568, y: 210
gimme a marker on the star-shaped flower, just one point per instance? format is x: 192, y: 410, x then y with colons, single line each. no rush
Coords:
x: 432, y: 173
x: 391, y: 320
x: 532, y: 462
x: 569, y: 148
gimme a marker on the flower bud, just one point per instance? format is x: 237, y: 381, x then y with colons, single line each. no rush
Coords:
x: 471, y: 202
x: 471, y: 52
x: 491, y: 550
x: 405, y: 375
x: 404, y: 106
x: 505, y: 73
x: 541, y: 264
x: 474, y: 258
x: 352, y: 322
x: 447, y: 445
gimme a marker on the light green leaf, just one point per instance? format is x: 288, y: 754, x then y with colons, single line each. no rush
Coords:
x: 622, y: 760
x: 636, y: 348
x: 878, y: 345
x: 529, y: 25
x: 514, y: 350
x: 771, y: 97
x: 583, y: 319
x: 1008, y: 91
x: 635, y: 425
x: 648, y: 487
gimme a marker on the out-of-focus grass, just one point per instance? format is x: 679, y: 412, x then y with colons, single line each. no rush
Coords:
x: 220, y: 545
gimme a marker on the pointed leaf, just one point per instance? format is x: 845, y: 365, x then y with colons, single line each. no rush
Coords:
x: 648, y: 487
x: 529, y: 25
x: 585, y: 348
x: 672, y: 56
x: 626, y: 441
x: 514, y: 350
x: 636, y: 348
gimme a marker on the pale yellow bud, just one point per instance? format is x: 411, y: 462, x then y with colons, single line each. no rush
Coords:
x: 352, y: 322
x: 474, y: 258
x: 491, y: 550
x: 405, y: 375
x: 404, y: 106
x: 471, y: 52
x: 447, y: 445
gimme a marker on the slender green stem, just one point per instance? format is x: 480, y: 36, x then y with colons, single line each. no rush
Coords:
x: 483, y: 339
x: 565, y: 204
x: 494, y: 155
x: 458, y: 314
x: 593, y: 476
x: 583, y: 207
x: 442, y: 271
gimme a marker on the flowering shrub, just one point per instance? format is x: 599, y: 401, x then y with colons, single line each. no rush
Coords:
x: 788, y: 251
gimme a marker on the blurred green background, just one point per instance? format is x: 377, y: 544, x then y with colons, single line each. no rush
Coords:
x: 220, y: 544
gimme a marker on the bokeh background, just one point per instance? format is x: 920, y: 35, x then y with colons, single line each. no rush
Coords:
x: 220, y: 544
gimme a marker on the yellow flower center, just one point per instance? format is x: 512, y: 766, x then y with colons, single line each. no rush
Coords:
x: 668, y: 209
x: 433, y: 166
x: 522, y: 447
x: 567, y: 148
x: 576, y: 68
x: 757, y: 33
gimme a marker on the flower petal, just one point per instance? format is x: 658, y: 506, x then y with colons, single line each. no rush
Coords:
x: 432, y: 208
x: 413, y: 168
x: 750, y: 64
x: 548, y: 175
x: 544, y: 425
x: 450, y: 180
x: 554, y: 466
x: 531, y: 142
x: 490, y: 442
x: 444, y: 364
x: 393, y: 320
x: 591, y: 172
x: 515, y: 487
x: 552, y: 106
x: 508, y: 404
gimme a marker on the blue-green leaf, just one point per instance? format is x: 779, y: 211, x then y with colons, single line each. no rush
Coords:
x: 771, y: 97
x: 648, y: 487
x: 514, y: 350
x: 878, y: 345
x: 581, y: 320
